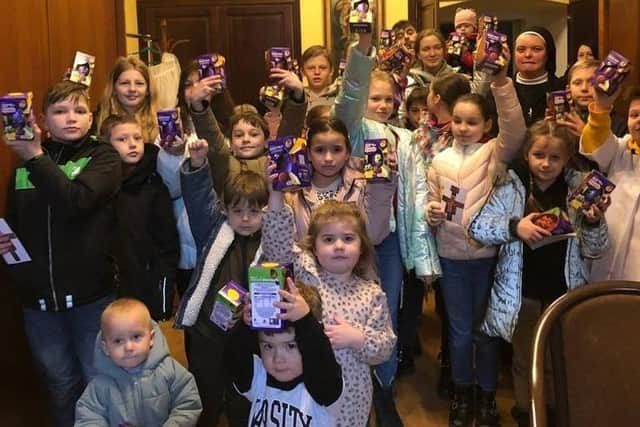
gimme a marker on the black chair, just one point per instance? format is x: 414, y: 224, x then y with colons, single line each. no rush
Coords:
x: 594, y: 336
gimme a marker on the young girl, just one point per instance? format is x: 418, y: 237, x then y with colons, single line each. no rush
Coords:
x: 128, y: 91
x: 365, y: 104
x: 432, y: 136
x: 526, y: 281
x: 333, y: 179
x: 460, y: 179
x: 336, y: 257
x: 618, y: 158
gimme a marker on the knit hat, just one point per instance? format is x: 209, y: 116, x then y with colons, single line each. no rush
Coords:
x: 466, y: 16
x: 550, y: 45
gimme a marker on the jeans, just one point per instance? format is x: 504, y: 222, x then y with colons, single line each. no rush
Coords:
x: 466, y: 285
x: 410, y: 313
x: 390, y: 270
x: 62, y: 344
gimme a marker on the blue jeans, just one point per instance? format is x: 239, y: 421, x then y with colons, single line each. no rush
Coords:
x: 465, y: 287
x: 390, y: 270
x: 62, y: 345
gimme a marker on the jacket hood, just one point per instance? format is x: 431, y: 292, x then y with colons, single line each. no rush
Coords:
x: 138, y: 174
x: 105, y: 366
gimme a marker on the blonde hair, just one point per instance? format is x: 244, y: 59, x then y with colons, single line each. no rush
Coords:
x: 109, y: 104
x: 123, y: 307
x: 333, y: 211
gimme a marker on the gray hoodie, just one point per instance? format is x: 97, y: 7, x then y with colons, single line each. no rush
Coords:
x: 159, y: 393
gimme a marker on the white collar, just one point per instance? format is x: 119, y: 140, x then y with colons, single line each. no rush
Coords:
x: 530, y: 82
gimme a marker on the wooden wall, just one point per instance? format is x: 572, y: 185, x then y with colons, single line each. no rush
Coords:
x: 40, y: 39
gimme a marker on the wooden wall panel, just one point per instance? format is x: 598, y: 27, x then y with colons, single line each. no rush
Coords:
x: 88, y: 26
x: 619, y: 30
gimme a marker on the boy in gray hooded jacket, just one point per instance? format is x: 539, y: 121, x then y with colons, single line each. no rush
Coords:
x: 138, y: 382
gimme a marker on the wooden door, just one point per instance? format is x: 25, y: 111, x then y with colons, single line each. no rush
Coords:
x: 240, y: 30
x: 424, y: 13
x: 582, y: 27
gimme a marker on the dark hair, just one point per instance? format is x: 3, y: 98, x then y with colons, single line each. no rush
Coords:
x: 65, y: 90
x: 112, y: 121
x: 322, y: 125
x: 479, y: 101
x: 248, y: 186
x: 317, y: 50
x: 418, y: 94
x: 254, y: 119
x: 191, y: 67
x: 450, y: 87
x: 317, y: 112
x: 401, y: 25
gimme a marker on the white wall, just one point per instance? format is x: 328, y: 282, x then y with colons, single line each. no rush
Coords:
x: 548, y: 14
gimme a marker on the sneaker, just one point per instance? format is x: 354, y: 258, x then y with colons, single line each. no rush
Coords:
x: 486, y: 412
x: 461, y: 407
x: 385, y: 407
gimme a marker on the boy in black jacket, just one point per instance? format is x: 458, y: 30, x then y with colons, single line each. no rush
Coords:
x: 296, y: 380
x: 147, y: 247
x: 59, y: 207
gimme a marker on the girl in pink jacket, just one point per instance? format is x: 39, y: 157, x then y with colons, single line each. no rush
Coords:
x: 460, y: 180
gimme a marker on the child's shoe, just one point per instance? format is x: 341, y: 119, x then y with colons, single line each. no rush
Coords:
x: 385, y: 407
x: 461, y: 407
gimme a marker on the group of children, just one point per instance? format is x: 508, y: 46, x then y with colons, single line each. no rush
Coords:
x: 456, y: 213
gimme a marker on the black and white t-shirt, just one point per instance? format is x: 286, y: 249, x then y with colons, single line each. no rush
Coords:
x: 273, y: 407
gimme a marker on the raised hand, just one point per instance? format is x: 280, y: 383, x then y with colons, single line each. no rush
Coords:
x: 500, y: 79
x: 198, y: 150
x: 29, y: 149
x: 288, y: 80
x: 293, y: 305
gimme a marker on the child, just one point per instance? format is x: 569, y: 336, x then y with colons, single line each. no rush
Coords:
x: 128, y: 91
x: 58, y: 206
x: 460, y: 179
x: 417, y: 110
x: 333, y: 179
x: 296, y: 370
x: 317, y: 68
x: 432, y: 136
x: 466, y: 26
x: 147, y: 247
x: 228, y: 241
x: 618, y: 158
x: 336, y: 257
x: 365, y: 104
x: 520, y: 295
x: 138, y: 382
x: 249, y: 131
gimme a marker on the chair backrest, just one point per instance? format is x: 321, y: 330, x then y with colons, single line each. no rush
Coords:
x: 594, y: 337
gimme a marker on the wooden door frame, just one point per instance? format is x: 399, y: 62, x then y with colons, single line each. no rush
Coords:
x: 121, y: 38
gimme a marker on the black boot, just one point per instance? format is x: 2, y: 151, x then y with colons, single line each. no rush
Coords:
x: 521, y: 416
x: 487, y: 414
x: 385, y: 407
x: 445, y: 384
x: 461, y: 407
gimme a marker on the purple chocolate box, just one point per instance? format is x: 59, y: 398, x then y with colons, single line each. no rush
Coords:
x: 375, y: 160
x: 212, y: 64
x: 493, y: 61
x: 292, y: 163
x: 169, y: 127
x: 611, y: 72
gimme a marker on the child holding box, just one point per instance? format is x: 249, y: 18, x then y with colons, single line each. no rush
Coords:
x: 59, y: 208
x: 618, y: 158
x: 296, y: 367
x: 228, y: 241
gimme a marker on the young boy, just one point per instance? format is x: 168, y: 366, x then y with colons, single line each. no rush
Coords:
x: 138, y: 382
x: 296, y: 380
x: 58, y: 206
x: 147, y: 247
x: 227, y: 236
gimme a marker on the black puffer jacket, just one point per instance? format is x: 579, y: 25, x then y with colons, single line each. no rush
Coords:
x: 59, y: 205
x: 147, y: 249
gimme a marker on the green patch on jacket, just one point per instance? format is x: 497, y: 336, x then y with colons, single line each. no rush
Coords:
x: 71, y: 169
